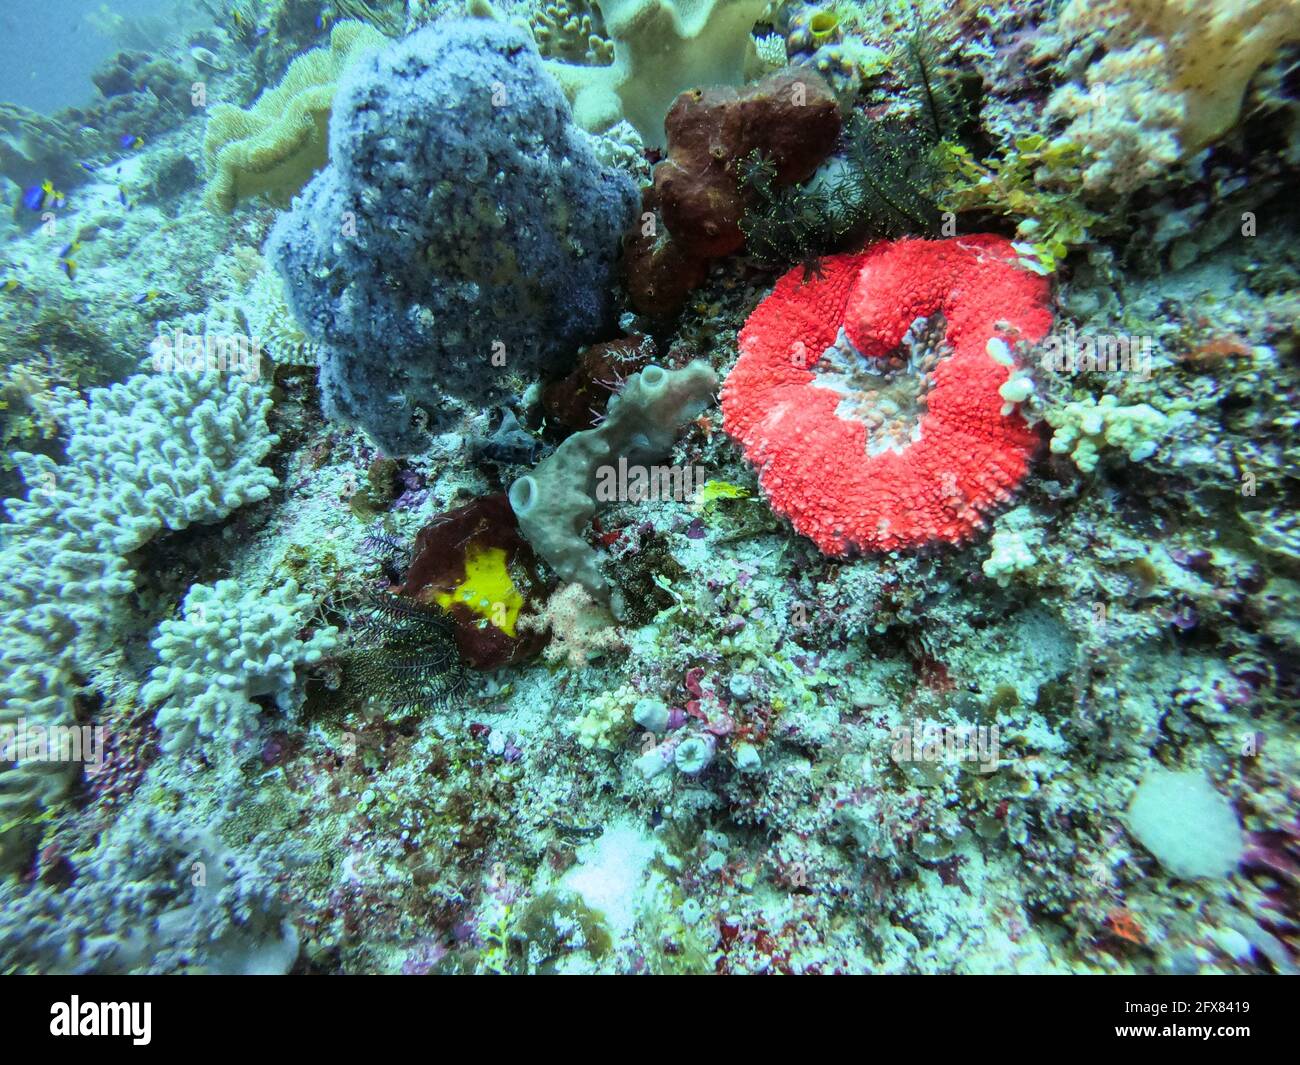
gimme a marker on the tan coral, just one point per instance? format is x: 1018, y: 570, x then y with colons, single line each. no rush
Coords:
x: 275, y: 146
x: 572, y: 31
x: 661, y: 49
x: 1211, y: 48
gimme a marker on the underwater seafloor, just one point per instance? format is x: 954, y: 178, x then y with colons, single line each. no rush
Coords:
x: 656, y: 486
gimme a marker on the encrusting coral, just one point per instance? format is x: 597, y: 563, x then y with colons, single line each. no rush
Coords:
x: 1014, y: 545
x: 605, y: 718
x: 276, y: 145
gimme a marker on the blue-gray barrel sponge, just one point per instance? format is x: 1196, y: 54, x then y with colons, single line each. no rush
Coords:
x: 462, y: 235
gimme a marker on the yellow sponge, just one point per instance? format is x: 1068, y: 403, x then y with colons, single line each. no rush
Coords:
x: 487, y: 590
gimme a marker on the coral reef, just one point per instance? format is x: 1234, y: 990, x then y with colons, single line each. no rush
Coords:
x: 534, y: 660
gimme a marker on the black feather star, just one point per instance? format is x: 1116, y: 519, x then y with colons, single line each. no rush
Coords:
x: 880, y: 187
x: 409, y: 658
x: 882, y: 184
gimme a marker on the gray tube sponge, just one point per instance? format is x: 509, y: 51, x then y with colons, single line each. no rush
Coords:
x: 556, y: 501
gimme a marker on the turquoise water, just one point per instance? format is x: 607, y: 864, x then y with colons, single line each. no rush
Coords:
x: 649, y: 486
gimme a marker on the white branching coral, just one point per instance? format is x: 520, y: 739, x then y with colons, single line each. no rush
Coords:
x: 229, y: 647
x: 605, y: 719
x: 1083, y: 427
x: 1016, y: 543
x: 158, y: 451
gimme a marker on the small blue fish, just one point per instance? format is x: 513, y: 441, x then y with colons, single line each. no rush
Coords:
x: 41, y: 196
x: 121, y: 197
x: 66, y: 261
x: 130, y: 141
x: 87, y: 167
x: 145, y: 297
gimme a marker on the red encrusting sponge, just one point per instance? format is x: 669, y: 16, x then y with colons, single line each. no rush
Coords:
x: 814, y: 465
